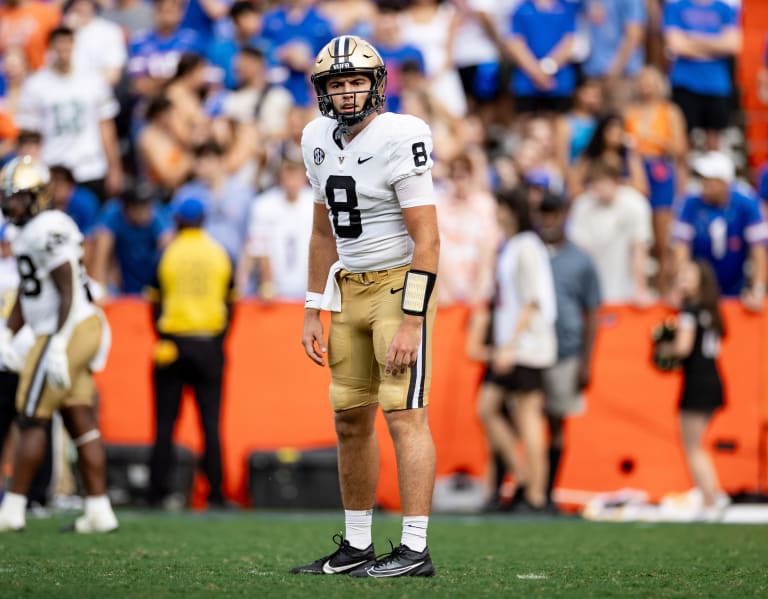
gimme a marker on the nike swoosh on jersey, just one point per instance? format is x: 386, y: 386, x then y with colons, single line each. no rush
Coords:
x: 393, y: 291
x: 361, y: 160
x: 396, y: 572
x: 329, y: 569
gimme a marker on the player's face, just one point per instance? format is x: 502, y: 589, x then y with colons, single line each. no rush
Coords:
x: 16, y: 207
x: 348, y: 93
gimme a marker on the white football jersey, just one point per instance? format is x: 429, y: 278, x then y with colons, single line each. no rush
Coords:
x: 356, y: 182
x: 46, y: 242
x: 67, y: 110
x: 280, y: 230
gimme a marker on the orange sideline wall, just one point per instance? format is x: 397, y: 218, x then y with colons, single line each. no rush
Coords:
x: 275, y: 397
x: 754, y: 22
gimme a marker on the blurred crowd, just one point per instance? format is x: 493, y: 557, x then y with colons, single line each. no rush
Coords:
x: 138, y: 105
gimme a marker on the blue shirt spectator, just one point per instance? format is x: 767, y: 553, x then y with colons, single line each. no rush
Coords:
x: 700, y: 69
x: 612, y: 24
x: 77, y: 201
x: 394, y: 58
x: 203, y: 19
x: 544, y: 26
x: 577, y: 290
x: 154, y: 55
x: 132, y: 230
x: 245, y: 31
x: 226, y: 200
x: 722, y: 223
x: 297, y: 34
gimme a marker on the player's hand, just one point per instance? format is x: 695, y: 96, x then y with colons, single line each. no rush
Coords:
x: 405, y: 345
x: 9, y: 357
x: 312, y: 337
x: 503, y: 360
x: 57, y: 364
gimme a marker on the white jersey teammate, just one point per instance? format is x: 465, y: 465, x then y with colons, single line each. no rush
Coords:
x: 373, y: 256
x: 71, y: 341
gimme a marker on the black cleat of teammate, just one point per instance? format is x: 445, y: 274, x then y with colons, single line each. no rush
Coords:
x: 342, y: 561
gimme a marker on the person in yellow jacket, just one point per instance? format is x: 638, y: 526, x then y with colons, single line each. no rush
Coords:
x: 192, y: 298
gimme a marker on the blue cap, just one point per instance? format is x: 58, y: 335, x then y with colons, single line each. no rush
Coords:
x: 538, y: 177
x: 189, y: 210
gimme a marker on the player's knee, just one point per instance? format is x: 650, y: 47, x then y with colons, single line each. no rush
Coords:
x: 29, y: 422
x: 351, y: 426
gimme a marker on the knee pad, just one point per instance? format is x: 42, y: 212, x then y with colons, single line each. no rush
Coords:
x: 28, y: 422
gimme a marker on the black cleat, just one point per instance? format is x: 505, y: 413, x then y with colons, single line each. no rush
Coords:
x: 401, y: 562
x: 345, y: 559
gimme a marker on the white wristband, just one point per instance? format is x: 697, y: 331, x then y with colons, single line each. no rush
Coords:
x: 314, y: 300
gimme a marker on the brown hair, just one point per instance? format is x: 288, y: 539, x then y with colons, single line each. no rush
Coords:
x: 709, y: 295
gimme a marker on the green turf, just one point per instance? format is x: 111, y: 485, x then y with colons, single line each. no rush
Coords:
x: 248, y: 554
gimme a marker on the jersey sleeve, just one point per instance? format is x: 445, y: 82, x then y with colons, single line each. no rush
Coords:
x: 756, y: 229
x: 410, y: 149
x: 671, y: 18
x: 308, y: 153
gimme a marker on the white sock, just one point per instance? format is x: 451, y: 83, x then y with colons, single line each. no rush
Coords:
x: 96, y: 505
x: 358, y: 524
x: 14, y: 507
x: 415, y: 532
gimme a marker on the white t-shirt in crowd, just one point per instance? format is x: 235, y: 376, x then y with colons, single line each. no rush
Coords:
x: 280, y: 230
x: 608, y: 232
x: 67, y: 109
x: 99, y: 45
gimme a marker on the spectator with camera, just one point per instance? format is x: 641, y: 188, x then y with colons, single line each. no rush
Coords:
x: 694, y: 344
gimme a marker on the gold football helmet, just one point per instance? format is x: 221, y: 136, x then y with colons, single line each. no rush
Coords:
x: 348, y: 55
x: 24, y: 187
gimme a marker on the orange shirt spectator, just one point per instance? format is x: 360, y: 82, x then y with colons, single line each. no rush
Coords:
x: 26, y: 24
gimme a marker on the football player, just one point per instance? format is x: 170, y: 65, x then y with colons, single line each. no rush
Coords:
x: 372, y: 261
x: 71, y: 341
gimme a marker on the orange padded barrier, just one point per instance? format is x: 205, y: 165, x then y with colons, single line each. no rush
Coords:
x: 754, y: 22
x: 275, y: 397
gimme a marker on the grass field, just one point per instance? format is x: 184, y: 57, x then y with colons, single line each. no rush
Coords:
x: 248, y: 554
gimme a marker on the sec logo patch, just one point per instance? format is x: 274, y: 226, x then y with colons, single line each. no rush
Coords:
x: 319, y: 156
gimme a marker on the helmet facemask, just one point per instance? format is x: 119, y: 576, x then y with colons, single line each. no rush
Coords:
x: 347, y: 56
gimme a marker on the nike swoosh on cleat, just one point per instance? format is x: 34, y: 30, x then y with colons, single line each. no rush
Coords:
x: 329, y: 569
x: 393, y: 291
x: 396, y: 572
x: 361, y: 160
